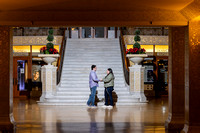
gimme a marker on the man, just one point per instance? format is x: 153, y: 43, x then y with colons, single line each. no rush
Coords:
x: 93, y: 84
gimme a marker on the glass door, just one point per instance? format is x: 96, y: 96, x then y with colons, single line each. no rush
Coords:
x: 99, y: 32
x: 86, y: 32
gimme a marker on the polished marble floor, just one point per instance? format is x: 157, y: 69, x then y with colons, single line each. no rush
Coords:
x: 32, y: 118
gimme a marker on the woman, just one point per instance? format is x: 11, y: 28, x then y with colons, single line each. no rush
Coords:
x: 108, y: 84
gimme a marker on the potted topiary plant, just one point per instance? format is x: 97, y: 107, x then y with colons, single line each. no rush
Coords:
x: 136, y: 54
x: 48, y: 52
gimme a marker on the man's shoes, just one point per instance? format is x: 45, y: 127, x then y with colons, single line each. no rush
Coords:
x: 93, y: 106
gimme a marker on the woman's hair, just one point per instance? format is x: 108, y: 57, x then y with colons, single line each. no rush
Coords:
x: 110, y: 71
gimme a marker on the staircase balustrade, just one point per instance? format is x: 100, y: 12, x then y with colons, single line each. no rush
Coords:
x: 61, y: 58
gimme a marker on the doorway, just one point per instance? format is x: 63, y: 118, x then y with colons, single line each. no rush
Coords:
x: 21, y: 77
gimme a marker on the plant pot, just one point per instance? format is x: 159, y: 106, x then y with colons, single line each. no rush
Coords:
x: 136, y: 58
x: 49, y: 58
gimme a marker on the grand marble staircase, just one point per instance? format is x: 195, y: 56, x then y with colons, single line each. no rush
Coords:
x: 80, y: 54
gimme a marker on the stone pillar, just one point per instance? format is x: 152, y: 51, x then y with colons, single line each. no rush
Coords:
x: 48, y: 82
x: 6, y: 80
x: 192, y: 79
x: 176, y: 64
x: 105, y: 32
x: 80, y: 32
x: 92, y: 32
x: 136, y: 79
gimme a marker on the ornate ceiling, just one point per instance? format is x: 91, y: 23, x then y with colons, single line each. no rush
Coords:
x: 95, y: 12
x: 91, y: 5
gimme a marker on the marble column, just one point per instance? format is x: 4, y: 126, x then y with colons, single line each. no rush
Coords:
x: 6, y: 80
x: 48, y: 82
x: 136, y: 78
x: 92, y: 32
x: 192, y: 79
x: 176, y: 68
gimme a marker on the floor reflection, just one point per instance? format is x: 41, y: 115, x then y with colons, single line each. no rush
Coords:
x: 93, y: 124
x: 149, y: 118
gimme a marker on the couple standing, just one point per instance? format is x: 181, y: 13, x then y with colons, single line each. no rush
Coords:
x: 108, y: 84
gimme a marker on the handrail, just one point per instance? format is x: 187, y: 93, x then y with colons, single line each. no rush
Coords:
x: 125, y: 60
x: 61, y: 58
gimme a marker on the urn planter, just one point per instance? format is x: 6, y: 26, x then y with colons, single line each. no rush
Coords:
x: 49, y: 58
x: 136, y: 58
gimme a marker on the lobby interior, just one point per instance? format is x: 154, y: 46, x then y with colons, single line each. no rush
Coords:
x: 177, y: 113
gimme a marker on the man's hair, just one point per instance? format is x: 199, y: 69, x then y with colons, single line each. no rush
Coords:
x: 93, y: 66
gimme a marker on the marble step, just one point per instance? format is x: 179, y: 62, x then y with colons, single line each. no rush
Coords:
x: 65, y: 101
x: 89, y: 66
x: 85, y: 54
x: 85, y: 85
x: 102, y: 72
x: 92, y: 45
x: 101, y: 95
x: 86, y: 76
x: 112, y: 57
x: 92, y: 40
x: 86, y: 72
x: 62, y: 89
x: 99, y: 90
x: 101, y: 87
x: 93, y: 49
x: 85, y: 98
x: 90, y: 62
x: 79, y: 72
x: 117, y: 79
x: 80, y: 81
x: 81, y: 75
x: 86, y: 80
x: 89, y: 69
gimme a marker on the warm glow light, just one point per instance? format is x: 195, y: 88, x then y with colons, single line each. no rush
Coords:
x: 129, y: 46
x: 21, y: 48
x: 197, y: 18
x: 37, y: 48
x: 148, y: 48
x: 34, y: 48
x: 161, y: 48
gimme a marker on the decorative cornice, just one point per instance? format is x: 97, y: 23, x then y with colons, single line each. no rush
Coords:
x: 35, y: 40
x: 147, y: 40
